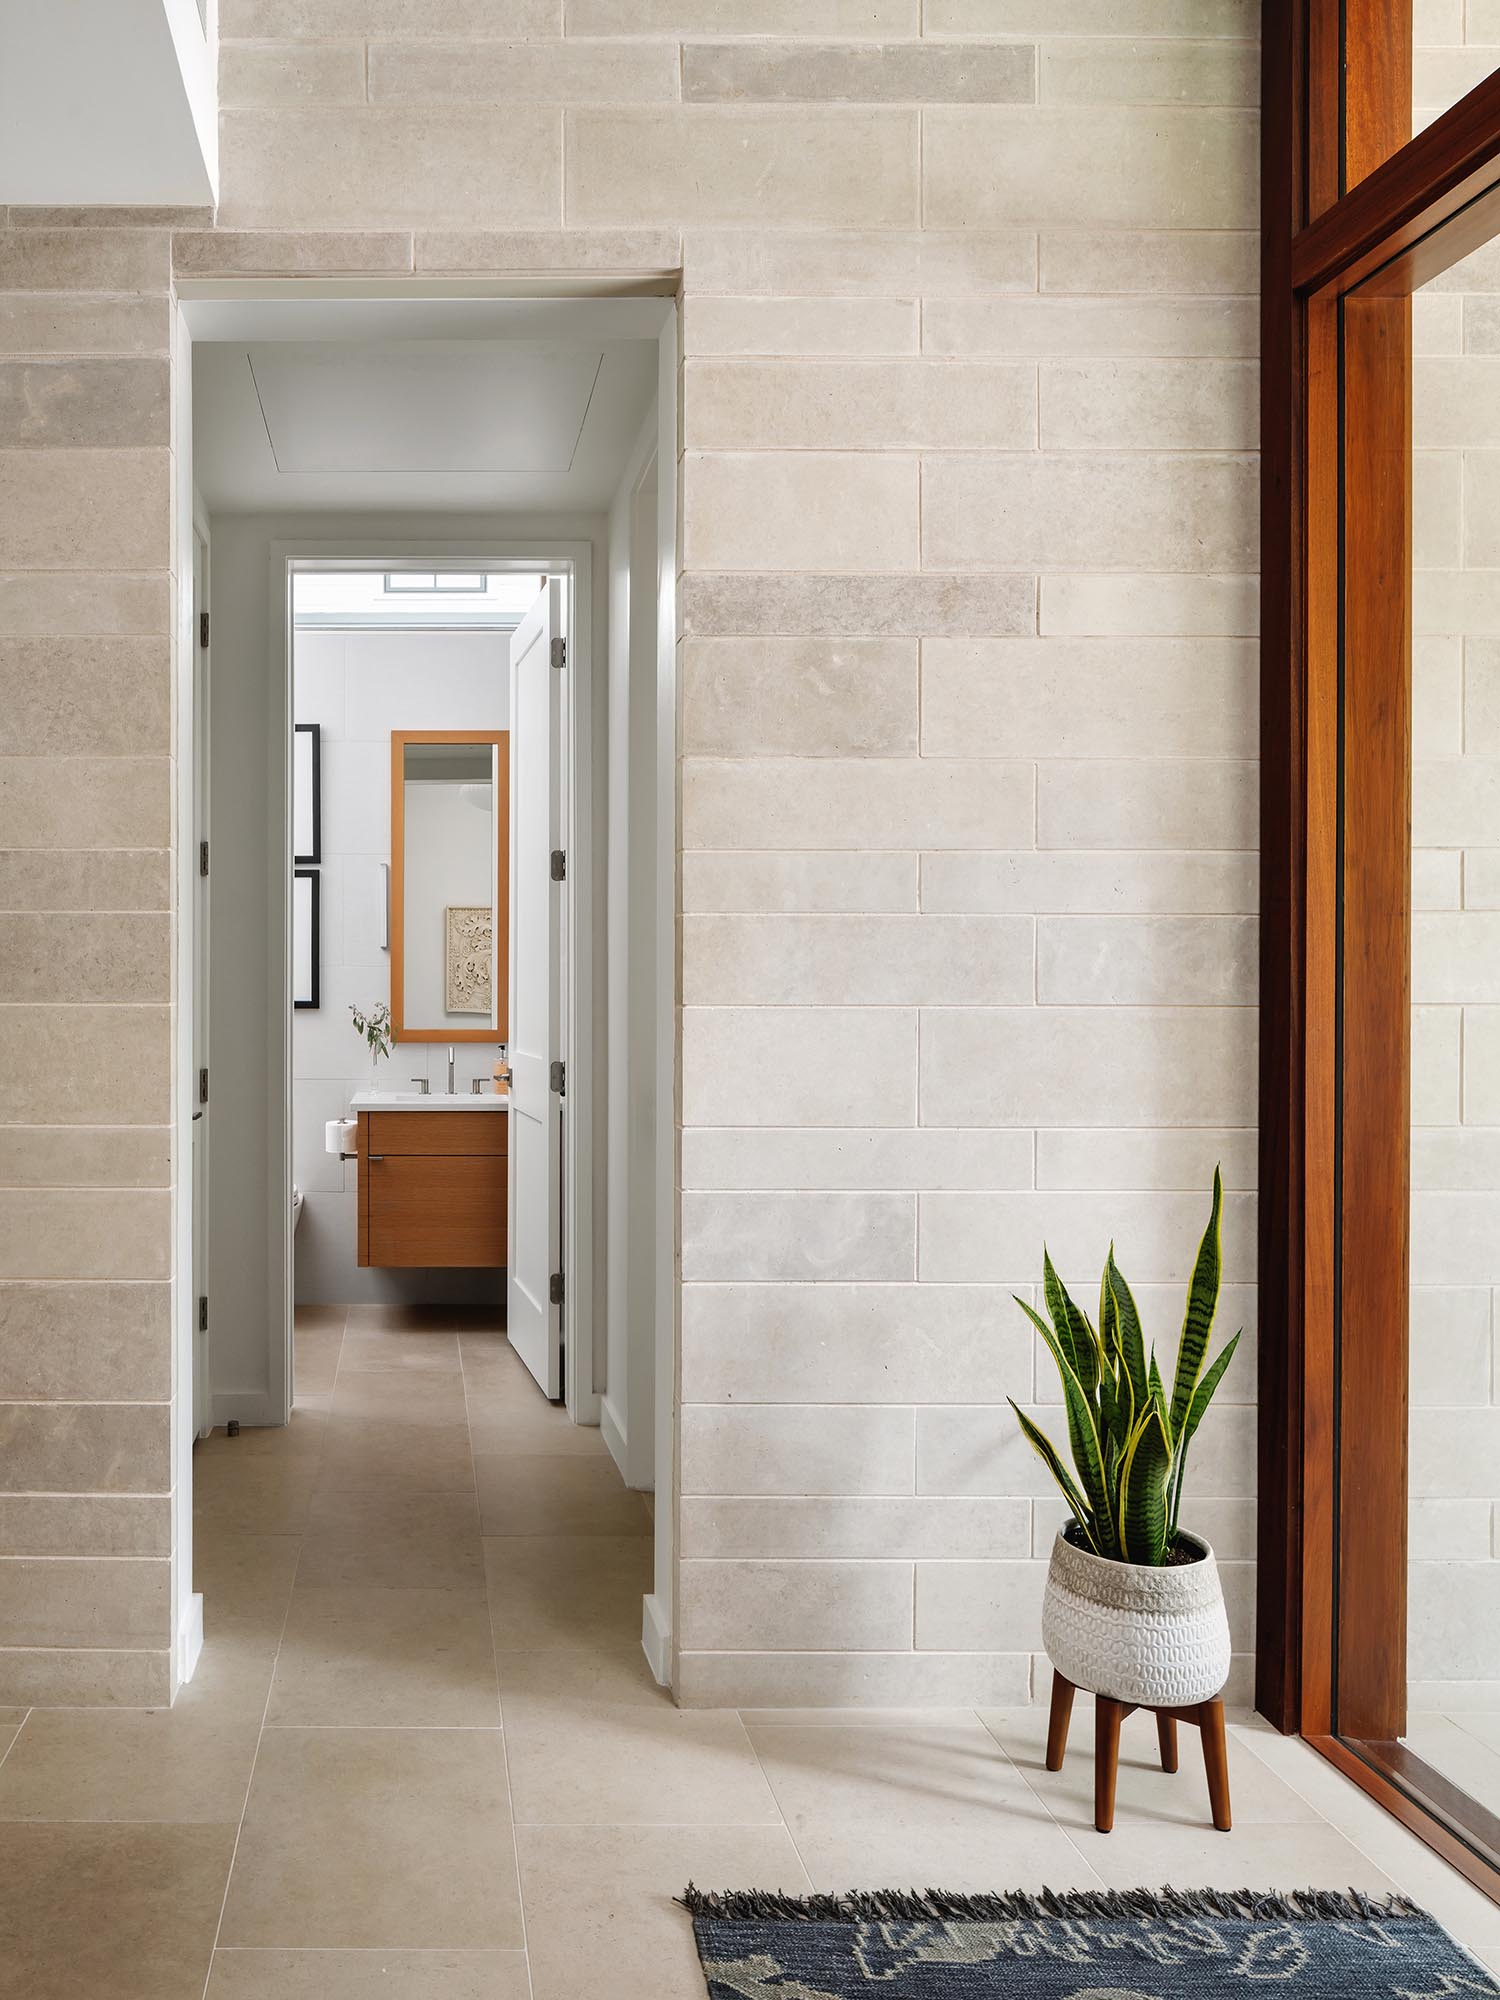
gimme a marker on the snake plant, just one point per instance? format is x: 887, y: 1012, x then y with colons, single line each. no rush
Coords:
x: 1129, y: 1437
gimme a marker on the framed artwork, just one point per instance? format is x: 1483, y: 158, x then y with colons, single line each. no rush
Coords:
x: 307, y: 793
x: 307, y: 944
x: 468, y: 957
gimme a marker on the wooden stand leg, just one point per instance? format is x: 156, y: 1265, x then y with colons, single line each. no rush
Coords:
x: 1108, y: 1715
x: 1057, y: 1724
x: 1166, y: 1737
x: 1215, y: 1761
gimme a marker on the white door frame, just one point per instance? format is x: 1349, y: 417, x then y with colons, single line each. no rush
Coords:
x: 231, y: 298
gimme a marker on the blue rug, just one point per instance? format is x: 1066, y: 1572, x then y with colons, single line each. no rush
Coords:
x: 1085, y: 1945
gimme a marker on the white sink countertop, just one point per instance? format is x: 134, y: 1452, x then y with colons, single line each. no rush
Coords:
x: 433, y: 1100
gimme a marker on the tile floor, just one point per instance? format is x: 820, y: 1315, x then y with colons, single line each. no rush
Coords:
x: 422, y: 1757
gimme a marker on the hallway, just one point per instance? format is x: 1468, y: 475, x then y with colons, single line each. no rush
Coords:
x: 334, y: 1810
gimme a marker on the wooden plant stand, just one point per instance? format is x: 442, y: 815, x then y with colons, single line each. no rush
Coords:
x: 1206, y: 1716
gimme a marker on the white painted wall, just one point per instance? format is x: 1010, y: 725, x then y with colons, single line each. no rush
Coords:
x: 628, y: 1415
x: 359, y: 686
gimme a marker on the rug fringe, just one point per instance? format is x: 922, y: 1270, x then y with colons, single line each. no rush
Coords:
x: 937, y: 1906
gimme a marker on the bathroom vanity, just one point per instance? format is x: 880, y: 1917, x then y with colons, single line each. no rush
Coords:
x: 432, y: 1179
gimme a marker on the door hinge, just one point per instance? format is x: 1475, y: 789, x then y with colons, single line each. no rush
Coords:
x: 203, y: 628
x: 203, y: 1312
x: 202, y: 857
x: 558, y: 1077
x: 555, y: 1289
x: 559, y: 652
x: 203, y: 1086
x: 559, y: 865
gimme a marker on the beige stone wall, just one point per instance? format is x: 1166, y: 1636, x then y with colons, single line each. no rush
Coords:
x: 968, y: 712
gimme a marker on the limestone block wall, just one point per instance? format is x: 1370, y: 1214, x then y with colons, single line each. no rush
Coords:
x: 967, y: 728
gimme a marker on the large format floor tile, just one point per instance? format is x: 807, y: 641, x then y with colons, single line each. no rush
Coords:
x: 376, y: 1837
x: 393, y: 1840
x: 555, y: 1495
x: 358, y: 1655
x: 186, y: 1764
x: 600, y: 1912
x: 91, y: 1912
x: 632, y: 1765
x: 883, y: 1806
x: 240, y: 1974
x: 558, y: 1590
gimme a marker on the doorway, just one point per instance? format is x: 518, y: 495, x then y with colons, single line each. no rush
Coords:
x: 561, y: 652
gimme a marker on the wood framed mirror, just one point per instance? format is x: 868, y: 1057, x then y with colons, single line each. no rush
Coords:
x: 450, y: 885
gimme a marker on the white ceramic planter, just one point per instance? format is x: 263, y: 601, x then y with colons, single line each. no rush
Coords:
x: 1155, y: 1637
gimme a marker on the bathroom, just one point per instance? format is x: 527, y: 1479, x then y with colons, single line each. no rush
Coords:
x: 400, y: 921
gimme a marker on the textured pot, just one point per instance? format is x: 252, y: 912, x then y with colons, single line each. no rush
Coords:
x: 1155, y: 1637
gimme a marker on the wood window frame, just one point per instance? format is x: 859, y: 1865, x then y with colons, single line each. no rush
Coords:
x: 1355, y: 216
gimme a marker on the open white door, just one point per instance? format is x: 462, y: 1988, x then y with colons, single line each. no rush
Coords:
x: 534, y: 1275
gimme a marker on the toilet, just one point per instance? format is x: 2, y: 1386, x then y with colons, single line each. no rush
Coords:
x: 296, y: 1207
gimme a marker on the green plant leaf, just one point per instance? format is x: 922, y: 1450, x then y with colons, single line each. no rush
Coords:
x: 1087, y: 1447
x: 1203, y: 1395
x: 1144, y: 1472
x: 1132, y: 1341
x: 1073, y: 1331
x: 1202, y: 1302
x: 1109, y: 1320
x: 1048, y: 1453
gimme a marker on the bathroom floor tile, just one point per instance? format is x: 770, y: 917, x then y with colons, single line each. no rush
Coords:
x: 376, y: 1837
x: 536, y: 1495
x: 632, y: 1765
x: 99, y: 1912
x: 557, y: 1590
x: 425, y: 1319
x: 10, y: 1722
x: 429, y: 1397
x: 600, y: 1914
x: 394, y: 1351
x: 171, y: 1765
x: 247, y: 1974
x: 353, y: 1655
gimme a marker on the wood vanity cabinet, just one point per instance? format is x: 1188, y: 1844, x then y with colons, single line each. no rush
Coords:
x: 432, y: 1188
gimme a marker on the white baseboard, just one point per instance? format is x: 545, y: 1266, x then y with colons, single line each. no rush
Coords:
x: 614, y: 1435
x: 189, y: 1641
x: 656, y: 1640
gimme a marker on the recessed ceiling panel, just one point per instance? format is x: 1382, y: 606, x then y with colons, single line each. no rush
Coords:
x: 422, y: 405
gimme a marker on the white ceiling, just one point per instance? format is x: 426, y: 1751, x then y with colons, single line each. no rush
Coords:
x: 473, y: 405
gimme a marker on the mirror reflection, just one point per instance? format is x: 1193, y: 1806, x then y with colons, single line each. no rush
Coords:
x: 449, y: 832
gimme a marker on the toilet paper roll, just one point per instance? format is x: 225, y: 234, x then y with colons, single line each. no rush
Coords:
x: 339, y: 1135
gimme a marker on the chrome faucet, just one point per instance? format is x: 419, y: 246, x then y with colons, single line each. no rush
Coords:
x: 450, y: 1072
